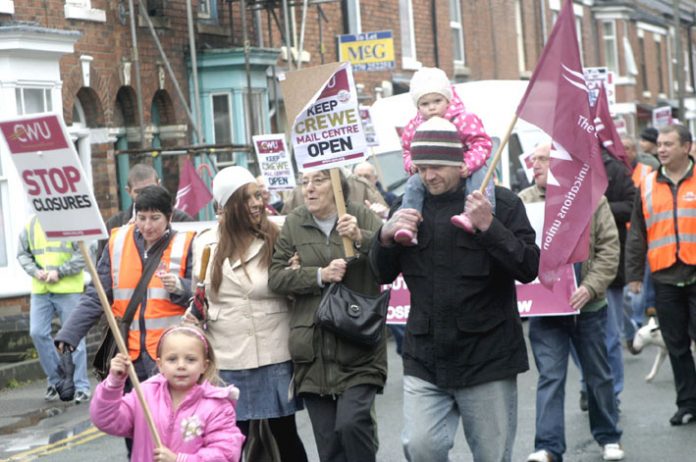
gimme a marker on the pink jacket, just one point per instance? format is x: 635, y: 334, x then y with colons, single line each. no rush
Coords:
x: 203, y: 428
x: 477, y: 144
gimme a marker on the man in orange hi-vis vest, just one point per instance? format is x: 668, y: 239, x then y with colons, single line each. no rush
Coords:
x: 663, y: 228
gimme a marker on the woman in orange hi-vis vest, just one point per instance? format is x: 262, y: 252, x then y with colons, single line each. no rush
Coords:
x: 120, y: 267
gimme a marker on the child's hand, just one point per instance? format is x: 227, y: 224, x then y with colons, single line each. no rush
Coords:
x: 164, y: 455
x: 413, y: 169
x: 464, y: 171
x: 119, y: 366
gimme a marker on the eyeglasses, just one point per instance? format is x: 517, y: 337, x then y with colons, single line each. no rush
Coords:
x: 318, y: 181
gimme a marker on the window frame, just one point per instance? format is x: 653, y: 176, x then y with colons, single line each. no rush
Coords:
x: 408, y: 35
x: 230, y: 112
x: 457, y: 29
x: 659, y: 59
x: 20, y: 100
x: 610, y: 46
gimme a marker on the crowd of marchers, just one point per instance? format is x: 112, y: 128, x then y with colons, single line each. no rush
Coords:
x: 228, y: 360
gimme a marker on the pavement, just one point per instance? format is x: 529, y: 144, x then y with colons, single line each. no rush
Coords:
x: 30, y: 427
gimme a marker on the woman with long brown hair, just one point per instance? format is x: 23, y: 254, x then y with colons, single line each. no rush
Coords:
x: 248, y: 325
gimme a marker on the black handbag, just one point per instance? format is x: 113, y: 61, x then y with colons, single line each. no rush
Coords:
x: 354, y: 316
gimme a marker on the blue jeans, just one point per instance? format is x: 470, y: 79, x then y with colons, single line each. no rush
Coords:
x: 636, y: 304
x: 414, y: 192
x: 431, y: 417
x: 398, y: 331
x: 551, y: 338
x: 43, y: 308
x: 614, y: 331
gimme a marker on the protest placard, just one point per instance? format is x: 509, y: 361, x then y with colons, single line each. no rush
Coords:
x: 535, y: 299
x: 662, y: 116
x: 368, y: 126
x: 326, y: 130
x: 274, y: 162
x: 52, y: 177
x: 399, y: 301
x: 595, y: 77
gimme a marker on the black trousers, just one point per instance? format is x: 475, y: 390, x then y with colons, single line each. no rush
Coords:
x: 344, y: 425
x: 284, y: 430
x: 676, y: 312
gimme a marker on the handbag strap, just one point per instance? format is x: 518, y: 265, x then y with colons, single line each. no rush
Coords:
x: 149, y: 269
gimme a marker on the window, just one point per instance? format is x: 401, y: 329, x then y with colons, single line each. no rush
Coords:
x: 258, y: 102
x: 82, y: 9
x: 222, y: 119
x: 658, y: 64
x: 610, y: 48
x: 408, y: 38
x: 207, y: 10
x: 519, y: 32
x: 643, y: 67
x: 33, y: 100
x: 555, y: 6
x: 204, y: 9
x: 457, y: 32
x: 155, y: 7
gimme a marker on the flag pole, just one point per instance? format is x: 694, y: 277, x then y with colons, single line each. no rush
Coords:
x: 120, y: 343
x: 341, y: 208
x: 498, y: 154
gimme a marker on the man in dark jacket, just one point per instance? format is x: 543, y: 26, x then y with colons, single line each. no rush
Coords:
x: 139, y: 176
x: 464, y: 344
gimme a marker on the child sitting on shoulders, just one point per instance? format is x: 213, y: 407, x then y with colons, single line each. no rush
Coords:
x: 195, y: 419
x: 433, y: 95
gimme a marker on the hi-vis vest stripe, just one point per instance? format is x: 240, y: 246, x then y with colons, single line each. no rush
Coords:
x: 671, y: 233
x: 640, y: 172
x: 126, y: 269
x: 51, y: 255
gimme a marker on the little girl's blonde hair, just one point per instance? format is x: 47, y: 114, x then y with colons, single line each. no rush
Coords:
x: 211, y: 372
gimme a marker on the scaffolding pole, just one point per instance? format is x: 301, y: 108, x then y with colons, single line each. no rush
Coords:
x: 138, y: 82
x: 194, y: 69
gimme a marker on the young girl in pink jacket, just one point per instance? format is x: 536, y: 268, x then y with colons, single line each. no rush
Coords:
x: 433, y: 95
x: 195, y: 420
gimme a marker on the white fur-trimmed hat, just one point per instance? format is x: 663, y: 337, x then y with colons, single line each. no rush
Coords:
x: 430, y: 80
x: 228, y: 180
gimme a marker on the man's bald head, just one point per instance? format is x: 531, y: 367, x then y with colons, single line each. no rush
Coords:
x: 367, y: 171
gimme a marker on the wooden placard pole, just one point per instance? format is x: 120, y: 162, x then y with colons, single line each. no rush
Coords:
x: 498, y: 154
x: 341, y: 208
x: 378, y: 166
x: 111, y: 320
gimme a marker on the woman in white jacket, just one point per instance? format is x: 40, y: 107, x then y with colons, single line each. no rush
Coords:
x: 248, y: 325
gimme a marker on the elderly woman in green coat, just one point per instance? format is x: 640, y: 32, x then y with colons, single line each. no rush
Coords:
x: 337, y: 379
